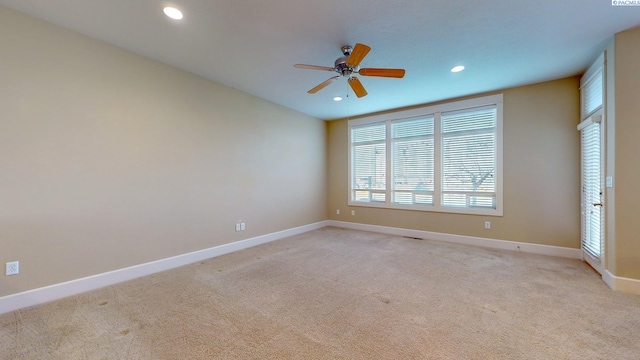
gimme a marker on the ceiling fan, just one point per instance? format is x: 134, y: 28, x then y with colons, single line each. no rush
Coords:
x: 348, y: 65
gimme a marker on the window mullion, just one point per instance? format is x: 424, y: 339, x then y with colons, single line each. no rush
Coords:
x: 389, y: 185
x: 437, y: 153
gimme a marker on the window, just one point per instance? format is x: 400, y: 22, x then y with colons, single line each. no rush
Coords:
x: 370, y: 156
x: 591, y: 93
x: 412, y: 164
x: 444, y: 158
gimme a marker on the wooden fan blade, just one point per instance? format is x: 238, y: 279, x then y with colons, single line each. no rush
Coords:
x: 323, y: 85
x: 357, y: 54
x: 312, y: 67
x: 357, y: 87
x: 392, y: 73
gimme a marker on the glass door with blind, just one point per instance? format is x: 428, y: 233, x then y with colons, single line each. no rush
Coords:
x: 592, y: 165
x: 592, y: 190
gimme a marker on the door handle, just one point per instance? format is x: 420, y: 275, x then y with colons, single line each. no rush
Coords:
x: 597, y: 204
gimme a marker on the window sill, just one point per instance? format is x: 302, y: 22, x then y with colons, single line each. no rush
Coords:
x: 427, y: 208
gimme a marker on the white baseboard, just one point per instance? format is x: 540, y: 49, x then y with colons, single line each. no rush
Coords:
x: 57, y: 291
x: 617, y: 283
x: 609, y: 279
x: 465, y: 240
x: 73, y: 287
x: 622, y: 284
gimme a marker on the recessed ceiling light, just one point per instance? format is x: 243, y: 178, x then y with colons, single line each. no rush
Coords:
x: 337, y: 98
x: 457, y: 68
x: 173, y: 13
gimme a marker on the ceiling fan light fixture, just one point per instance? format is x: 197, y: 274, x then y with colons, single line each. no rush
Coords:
x: 173, y: 13
x: 456, y: 69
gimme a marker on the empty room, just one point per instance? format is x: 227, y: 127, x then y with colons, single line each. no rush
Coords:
x: 319, y: 180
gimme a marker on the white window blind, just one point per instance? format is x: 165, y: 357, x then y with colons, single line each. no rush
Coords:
x: 592, y: 94
x: 413, y: 161
x: 370, y: 162
x: 469, y: 158
x: 445, y: 157
x: 591, y: 185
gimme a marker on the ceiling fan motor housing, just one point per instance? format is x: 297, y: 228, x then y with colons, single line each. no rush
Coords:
x: 341, y: 66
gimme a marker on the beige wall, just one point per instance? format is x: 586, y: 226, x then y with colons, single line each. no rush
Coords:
x: 110, y: 160
x: 627, y: 154
x: 541, y: 174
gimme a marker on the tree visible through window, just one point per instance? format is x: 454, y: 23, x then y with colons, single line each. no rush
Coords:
x: 469, y: 158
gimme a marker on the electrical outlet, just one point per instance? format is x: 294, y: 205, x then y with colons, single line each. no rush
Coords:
x: 487, y: 225
x: 13, y: 268
x: 243, y: 227
x: 337, y: 211
x: 353, y: 213
x: 238, y: 227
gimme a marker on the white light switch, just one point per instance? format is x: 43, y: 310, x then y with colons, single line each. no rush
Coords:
x: 609, y: 181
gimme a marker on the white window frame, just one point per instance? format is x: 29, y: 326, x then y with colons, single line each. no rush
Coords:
x: 435, y: 111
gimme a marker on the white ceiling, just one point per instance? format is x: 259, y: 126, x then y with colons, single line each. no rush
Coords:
x: 251, y: 45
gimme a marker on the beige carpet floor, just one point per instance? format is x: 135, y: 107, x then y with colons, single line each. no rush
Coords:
x: 341, y: 294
